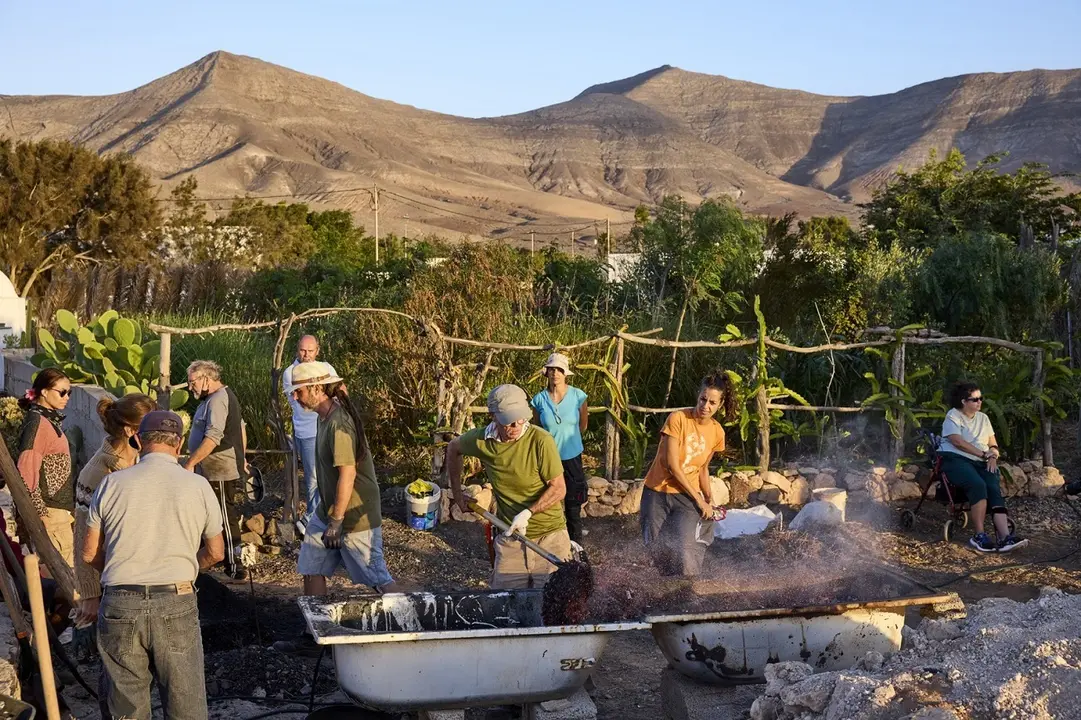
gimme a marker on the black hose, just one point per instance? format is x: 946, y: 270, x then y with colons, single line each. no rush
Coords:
x: 315, y: 677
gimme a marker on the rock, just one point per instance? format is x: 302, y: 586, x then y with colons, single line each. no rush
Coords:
x: 594, y: 493
x: 578, y: 706
x: 258, y: 692
x: 778, y: 480
x: 271, y: 550
x: 879, y: 471
x: 767, y: 707
x: 754, y: 480
x: 1014, y: 480
x: 940, y: 630
x: 719, y: 488
x: 256, y: 523
x: 272, y: 531
x: 878, y: 489
x: 597, y: 483
x: 620, y: 486
x: 905, y: 490
x: 632, y: 501
x: 441, y: 715
x: 790, y: 472
x: 739, y: 488
x: 822, y: 480
x: 912, y: 469
x: 782, y: 674
x: 809, y: 472
x: 799, y: 493
x: 769, y: 495
x: 1031, y: 466
x: 610, y: 500
x: 871, y: 662
x: 1047, y: 481
x: 828, y: 470
x: 907, y: 475
x: 251, y: 538
x: 855, y: 481
x: 933, y: 713
x: 812, y: 694
x: 456, y: 514
x: 603, y: 511
x: 481, y: 494
x: 686, y: 699
x: 848, y: 690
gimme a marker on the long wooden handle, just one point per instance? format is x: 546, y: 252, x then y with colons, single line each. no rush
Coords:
x: 517, y: 536
x: 41, y: 635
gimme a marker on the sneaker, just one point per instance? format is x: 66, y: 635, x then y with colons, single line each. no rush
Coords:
x: 1074, y: 488
x: 239, y: 574
x: 301, y: 527
x: 1012, y: 542
x: 67, y: 636
x: 303, y: 645
x: 982, y: 542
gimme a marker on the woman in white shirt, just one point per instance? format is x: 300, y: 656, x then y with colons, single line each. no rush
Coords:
x: 970, y: 460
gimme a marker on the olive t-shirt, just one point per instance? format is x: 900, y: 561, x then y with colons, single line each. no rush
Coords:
x: 697, y: 443
x: 335, y: 447
x: 519, y: 472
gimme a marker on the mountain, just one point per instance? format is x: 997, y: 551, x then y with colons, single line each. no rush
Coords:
x: 241, y: 125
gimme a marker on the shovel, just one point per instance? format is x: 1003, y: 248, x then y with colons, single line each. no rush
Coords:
x: 566, y: 594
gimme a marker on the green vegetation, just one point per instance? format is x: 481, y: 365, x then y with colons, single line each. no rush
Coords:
x: 964, y: 251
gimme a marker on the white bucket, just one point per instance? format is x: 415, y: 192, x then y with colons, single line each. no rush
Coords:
x: 423, y: 513
x: 834, y: 496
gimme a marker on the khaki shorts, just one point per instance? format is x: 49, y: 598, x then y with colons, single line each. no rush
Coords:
x: 59, y: 526
x: 518, y: 568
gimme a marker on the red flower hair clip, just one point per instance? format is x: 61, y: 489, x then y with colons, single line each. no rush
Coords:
x: 30, y: 394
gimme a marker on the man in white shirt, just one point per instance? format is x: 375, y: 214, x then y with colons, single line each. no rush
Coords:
x: 304, y: 426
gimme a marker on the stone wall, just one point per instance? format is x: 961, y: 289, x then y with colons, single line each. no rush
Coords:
x: 81, y: 422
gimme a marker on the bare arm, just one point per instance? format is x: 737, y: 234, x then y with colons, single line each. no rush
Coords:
x: 347, y: 475
x: 961, y: 444
x: 583, y: 418
x: 94, y: 549
x: 212, y: 552
x: 201, y: 453
x: 552, y: 495
x: 705, y: 483
x: 454, y: 464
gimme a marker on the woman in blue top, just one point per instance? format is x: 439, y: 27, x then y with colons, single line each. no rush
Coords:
x: 562, y: 410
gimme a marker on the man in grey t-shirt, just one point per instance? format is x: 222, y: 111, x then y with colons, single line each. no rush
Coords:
x: 216, y: 446
x: 145, y: 526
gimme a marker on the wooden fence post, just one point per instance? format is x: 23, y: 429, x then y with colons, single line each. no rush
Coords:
x: 611, y: 429
x: 762, y: 401
x: 277, y: 412
x: 897, y: 373
x: 1045, y: 422
x: 164, y: 361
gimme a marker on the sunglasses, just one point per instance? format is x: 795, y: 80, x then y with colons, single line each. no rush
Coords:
x: 974, y: 400
x: 61, y: 393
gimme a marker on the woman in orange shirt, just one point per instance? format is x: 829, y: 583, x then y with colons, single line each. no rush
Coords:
x: 677, y: 503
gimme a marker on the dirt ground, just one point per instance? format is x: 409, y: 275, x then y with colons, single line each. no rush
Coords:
x: 246, y: 678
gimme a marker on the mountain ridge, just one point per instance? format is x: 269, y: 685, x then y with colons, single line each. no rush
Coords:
x: 241, y: 125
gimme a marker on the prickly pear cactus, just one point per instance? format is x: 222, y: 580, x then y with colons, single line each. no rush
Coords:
x: 108, y: 351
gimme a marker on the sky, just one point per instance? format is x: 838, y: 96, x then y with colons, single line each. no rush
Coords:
x: 494, y: 58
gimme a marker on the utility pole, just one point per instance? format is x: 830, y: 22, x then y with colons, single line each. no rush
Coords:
x: 572, y: 243
x: 532, y: 246
x: 375, y: 200
x: 608, y: 235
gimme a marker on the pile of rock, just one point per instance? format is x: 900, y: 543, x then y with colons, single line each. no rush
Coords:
x: 1005, y: 660
x: 615, y: 497
x: 262, y: 533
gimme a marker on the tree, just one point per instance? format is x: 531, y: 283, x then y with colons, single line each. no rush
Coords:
x: 62, y: 204
x: 258, y: 235
x: 708, y: 255
x: 943, y: 200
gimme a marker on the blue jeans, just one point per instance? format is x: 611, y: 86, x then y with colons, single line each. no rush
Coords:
x: 306, y: 449
x: 143, y: 635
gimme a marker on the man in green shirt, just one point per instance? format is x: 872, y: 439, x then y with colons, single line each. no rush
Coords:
x: 347, y: 527
x: 523, y: 465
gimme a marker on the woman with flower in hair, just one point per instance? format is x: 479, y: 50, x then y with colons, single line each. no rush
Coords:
x: 45, y: 459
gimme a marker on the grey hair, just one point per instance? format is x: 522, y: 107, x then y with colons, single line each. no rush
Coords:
x: 205, y: 368
x: 158, y: 437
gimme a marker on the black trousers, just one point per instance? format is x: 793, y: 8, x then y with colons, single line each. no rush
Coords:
x: 577, y: 492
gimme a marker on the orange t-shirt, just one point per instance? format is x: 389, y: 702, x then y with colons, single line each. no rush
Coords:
x: 697, y: 444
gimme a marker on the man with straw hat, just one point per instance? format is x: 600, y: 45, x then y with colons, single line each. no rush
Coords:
x: 522, y: 463
x: 346, y: 528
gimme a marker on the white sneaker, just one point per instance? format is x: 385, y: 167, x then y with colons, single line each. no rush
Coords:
x: 301, y: 528
x: 66, y: 637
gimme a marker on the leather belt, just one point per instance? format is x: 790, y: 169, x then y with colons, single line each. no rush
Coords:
x: 184, y: 588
